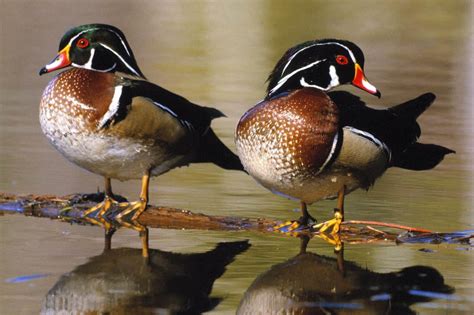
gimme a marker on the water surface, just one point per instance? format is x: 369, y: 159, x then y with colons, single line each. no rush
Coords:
x: 219, y: 54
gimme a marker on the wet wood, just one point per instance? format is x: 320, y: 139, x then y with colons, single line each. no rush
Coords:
x: 71, y: 207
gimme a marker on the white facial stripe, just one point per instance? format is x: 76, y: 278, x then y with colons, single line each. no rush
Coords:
x: 331, y: 153
x: 93, y: 29
x: 98, y: 70
x: 294, y: 55
x: 288, y: 76
x: 339, y: 44
x: 123, y: 42
x: 121, y: 59
x: 113, y: 107
x: 372, y: 138
x: 80, y: 33
x: 318, y: 44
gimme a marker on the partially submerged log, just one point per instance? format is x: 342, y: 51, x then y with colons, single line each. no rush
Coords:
x: 70, y: 208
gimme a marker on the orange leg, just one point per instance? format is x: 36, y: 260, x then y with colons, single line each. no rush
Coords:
x: 103, y: 207
x: 138, y: 207
x: 338, y: 215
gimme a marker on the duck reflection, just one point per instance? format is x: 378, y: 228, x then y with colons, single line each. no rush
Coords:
x: 120, y: 281
x: 313, y: 284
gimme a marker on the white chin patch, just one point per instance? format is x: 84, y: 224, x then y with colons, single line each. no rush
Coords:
x: 334, y: 81
x: 88, y: 64
x: 334, y: 78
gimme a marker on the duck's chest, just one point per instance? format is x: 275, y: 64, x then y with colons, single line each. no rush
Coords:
x: 296, y: 146
x: 75, y: 101
x: 71, y: 110
x: 289, y: 138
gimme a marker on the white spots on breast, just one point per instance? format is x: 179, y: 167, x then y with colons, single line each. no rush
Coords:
x: 65, y: 118
x: 275, y: 145
x: 77, y: 104
x: 271, y: 148
x: 61, y: 109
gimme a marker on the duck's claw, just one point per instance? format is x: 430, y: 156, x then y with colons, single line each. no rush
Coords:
x: 102, y: 208
x: 294, y: 228
x: 335, y: 223
x: 333, y: 239
x: 137, y: 209
x: 64, y: 211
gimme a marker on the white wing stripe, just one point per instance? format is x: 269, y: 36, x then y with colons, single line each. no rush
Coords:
x: 372, y: 138
x: 166, y: 109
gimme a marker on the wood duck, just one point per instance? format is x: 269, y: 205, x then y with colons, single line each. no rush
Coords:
x: 105, y: 116
x: 168, y: 283
x: 310, y: 283
x: 308, y: 144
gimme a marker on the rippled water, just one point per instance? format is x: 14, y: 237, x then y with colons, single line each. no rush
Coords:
x: 219, y: 54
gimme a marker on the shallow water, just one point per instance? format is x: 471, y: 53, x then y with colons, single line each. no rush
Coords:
x: 219, y: 54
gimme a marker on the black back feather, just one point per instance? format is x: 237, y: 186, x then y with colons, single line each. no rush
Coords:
x: 199, y: 117
x: 211, y: 148
x: 396, y: 127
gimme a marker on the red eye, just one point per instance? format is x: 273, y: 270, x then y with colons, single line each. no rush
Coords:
x: 342, y: 60
x: 82, y: 43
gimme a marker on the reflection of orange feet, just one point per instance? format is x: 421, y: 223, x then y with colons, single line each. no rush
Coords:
x: 102, y: 208
x: 138, y: 207
x: 333, y: 239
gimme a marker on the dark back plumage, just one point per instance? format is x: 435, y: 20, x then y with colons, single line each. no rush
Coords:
x: 396, y: 127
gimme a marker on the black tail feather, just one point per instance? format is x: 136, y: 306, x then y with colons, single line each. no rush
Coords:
x: 415, y: 107
x: 420, y: 156
x: 214, y: 151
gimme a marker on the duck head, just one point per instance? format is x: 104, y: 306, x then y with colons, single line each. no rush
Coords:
x: 97, y: 47
x: 321, y: 64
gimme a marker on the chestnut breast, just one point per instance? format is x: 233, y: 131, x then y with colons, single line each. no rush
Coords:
x: 289, y: 136
x: 82, y: 95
